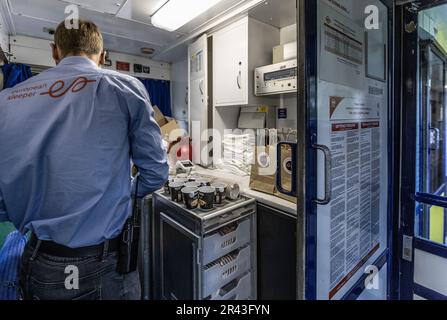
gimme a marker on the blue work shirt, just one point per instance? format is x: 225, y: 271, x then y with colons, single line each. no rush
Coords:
x: 67, y: 137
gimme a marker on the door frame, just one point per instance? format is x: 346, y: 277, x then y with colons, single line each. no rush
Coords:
x: 433, y: 48
x: 307, y: 29
x: 407, y: 40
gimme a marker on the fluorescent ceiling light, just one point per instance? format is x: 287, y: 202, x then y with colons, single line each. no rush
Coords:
x: 176, y: 13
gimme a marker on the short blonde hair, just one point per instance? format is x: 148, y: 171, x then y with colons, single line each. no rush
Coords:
x: 86, y: 39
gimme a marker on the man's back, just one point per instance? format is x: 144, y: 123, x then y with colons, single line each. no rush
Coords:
x: 66, y: 140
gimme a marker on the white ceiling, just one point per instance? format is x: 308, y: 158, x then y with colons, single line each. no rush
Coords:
x: 126, y: 25
x: 276, y: 13
x: 106, y: 6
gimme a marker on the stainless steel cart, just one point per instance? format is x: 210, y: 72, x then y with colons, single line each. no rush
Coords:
x: 202, y: 255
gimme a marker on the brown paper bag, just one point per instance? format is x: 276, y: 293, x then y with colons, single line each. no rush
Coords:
x: 263, y: 171
x: 286, y: 175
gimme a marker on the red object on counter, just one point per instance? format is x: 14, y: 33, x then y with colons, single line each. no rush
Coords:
x: 183, y: 149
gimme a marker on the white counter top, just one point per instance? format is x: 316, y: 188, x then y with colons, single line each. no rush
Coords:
x: 244, y: 183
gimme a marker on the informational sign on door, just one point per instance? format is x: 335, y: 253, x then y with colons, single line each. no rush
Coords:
x: 355, y: 132
x: 344, y: 7
x: 355, y: 208
x: 350, y: 108
x: 352, y: 123
x: 342, y: 56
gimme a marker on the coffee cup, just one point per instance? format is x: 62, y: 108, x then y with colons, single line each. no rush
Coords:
x: 166, y: 186
x: 221, y: 191
x: 191, y: 197
x: 206, y: 197
x: 204, y: 182
x: 175, y: 189
x: 193, y: 184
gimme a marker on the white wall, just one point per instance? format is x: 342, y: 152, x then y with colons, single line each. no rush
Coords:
x: 179, y: 90
x: 3, y: 45
x: 35, y: 51
x: 3, y: 35
x: 288, y: 101
x: 158, y: 70
x: 288, y: 34
x: 430, y: 271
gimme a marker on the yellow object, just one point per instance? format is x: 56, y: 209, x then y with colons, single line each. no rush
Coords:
x: 441, y: 36
x: 263, y: 109
x: 437, y: 224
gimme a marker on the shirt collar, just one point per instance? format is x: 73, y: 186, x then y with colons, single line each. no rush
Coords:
x: 77, y: 60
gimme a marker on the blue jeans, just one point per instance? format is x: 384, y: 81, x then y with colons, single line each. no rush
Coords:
x: 46, y: 277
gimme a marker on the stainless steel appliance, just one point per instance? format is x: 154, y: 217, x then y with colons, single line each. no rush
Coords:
x: 204, y: 255
x: 277, y: 78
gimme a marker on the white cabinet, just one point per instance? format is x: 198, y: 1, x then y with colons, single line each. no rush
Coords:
x: 199, y: 100
x: 237, y: 50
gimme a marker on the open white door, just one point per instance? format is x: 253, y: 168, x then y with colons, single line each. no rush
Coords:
x: 199, y: 101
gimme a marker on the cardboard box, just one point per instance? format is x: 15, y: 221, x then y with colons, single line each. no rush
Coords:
x: 167, y: 125
x: 284, y: 52
x: 170, y: 126
x: 159, y: 117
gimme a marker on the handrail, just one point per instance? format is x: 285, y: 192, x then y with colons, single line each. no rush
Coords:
x: 430, y: 199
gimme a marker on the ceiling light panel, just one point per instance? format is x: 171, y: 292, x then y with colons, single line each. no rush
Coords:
x: 176, y: 13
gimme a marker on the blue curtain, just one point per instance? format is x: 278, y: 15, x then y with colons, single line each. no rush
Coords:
x: 160, y: 94
x: 14, y: 73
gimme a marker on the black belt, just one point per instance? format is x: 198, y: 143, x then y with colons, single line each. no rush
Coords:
x: 54, y: 249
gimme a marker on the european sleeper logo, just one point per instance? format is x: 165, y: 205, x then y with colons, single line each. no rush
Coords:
x: 58, y: 89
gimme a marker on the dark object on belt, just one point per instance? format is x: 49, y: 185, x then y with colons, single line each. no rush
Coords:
x: 129, y: 239
x: 54, y: 249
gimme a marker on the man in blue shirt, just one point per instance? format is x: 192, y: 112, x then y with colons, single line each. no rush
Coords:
x: 67, y: 138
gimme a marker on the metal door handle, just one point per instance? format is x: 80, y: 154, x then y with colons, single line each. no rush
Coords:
x: 327, y: 179
x: 238, y: 79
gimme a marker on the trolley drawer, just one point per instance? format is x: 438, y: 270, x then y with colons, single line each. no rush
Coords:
x: 239, y: 289
x: 226, y: 240
x: 221, y: 272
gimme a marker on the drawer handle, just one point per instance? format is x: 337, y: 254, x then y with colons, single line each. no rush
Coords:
x: 229, y: 272
x: 228, y: 243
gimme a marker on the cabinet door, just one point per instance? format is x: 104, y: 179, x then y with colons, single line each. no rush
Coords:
x: 178, y: 261
x: 198, y: 99
x: 230, y: 66
x: 276, y: 254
